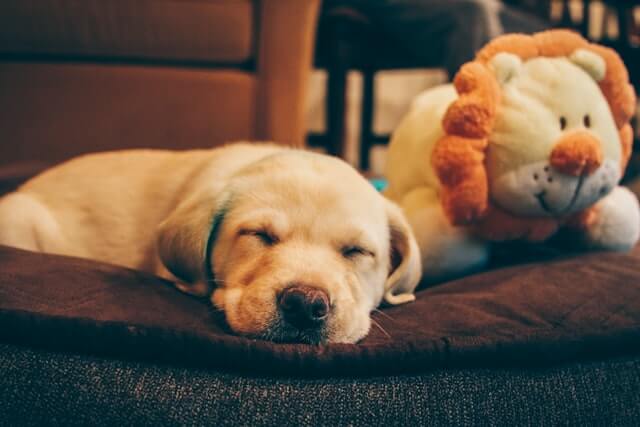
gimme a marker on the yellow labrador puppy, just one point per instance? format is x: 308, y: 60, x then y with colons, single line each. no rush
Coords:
x: 292, y: 246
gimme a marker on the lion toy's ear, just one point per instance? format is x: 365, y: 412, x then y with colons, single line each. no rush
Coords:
x: 590, y: 62
x: 505, y: 66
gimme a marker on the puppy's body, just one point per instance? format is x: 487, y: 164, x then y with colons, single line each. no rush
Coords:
x: 159, y: 211
x: 107, y: 206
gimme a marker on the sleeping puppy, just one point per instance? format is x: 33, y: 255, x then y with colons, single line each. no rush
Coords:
x: 292, y: 246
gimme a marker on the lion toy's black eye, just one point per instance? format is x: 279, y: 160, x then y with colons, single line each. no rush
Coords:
x: 587, y: 121
x: 563, y: 122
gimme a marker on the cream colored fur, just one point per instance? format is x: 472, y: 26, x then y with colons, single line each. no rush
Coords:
x: 446, y: 251
x: 154, y: 210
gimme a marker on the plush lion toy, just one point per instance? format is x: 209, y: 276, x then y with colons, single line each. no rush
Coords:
x: 533, y: 136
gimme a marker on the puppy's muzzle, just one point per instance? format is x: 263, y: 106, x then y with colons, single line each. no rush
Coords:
x: 304, y: 307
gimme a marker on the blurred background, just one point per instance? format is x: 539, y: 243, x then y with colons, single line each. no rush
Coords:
x: 89, y: 75
x: 372, y: 59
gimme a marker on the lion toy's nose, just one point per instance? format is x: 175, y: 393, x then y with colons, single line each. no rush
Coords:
x: 577, y: 153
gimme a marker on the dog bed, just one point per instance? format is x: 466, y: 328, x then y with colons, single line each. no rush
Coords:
x: 547, y: 309
x: 539, y: 313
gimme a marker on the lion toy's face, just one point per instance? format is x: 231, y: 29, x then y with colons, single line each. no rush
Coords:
x: 555, y: 148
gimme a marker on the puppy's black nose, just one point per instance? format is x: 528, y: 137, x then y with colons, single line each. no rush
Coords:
x: 304, y: 306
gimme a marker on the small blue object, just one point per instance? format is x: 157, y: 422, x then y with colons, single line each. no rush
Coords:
x: 379, y: 183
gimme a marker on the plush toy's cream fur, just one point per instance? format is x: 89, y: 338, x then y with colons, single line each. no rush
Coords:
x: 200, y: 217
x: 532, y: 136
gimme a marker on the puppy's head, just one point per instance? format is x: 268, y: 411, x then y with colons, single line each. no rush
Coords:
x: 298, y: 248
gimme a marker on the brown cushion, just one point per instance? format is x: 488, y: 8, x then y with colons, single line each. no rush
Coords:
x: 201, y: 30
x: 582, y: 307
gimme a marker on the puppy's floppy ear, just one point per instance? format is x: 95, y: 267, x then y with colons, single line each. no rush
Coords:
x: 184, y: 238
x: 405, y: 267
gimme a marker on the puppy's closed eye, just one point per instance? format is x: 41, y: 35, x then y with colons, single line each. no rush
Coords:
x: 354, y: 251
x: 268, y: 238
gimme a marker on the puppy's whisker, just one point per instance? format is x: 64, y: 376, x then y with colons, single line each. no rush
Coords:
x: 381, y: 328
x: 382, y: 313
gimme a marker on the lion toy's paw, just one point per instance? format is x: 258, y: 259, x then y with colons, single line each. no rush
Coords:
x: 617, y: 222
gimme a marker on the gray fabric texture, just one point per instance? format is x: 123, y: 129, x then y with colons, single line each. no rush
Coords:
x: 44, y: 388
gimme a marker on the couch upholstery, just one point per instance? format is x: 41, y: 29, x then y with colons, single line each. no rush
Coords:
x: 203, y: 30
x: 80, y: 76
x: 57, y: 388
